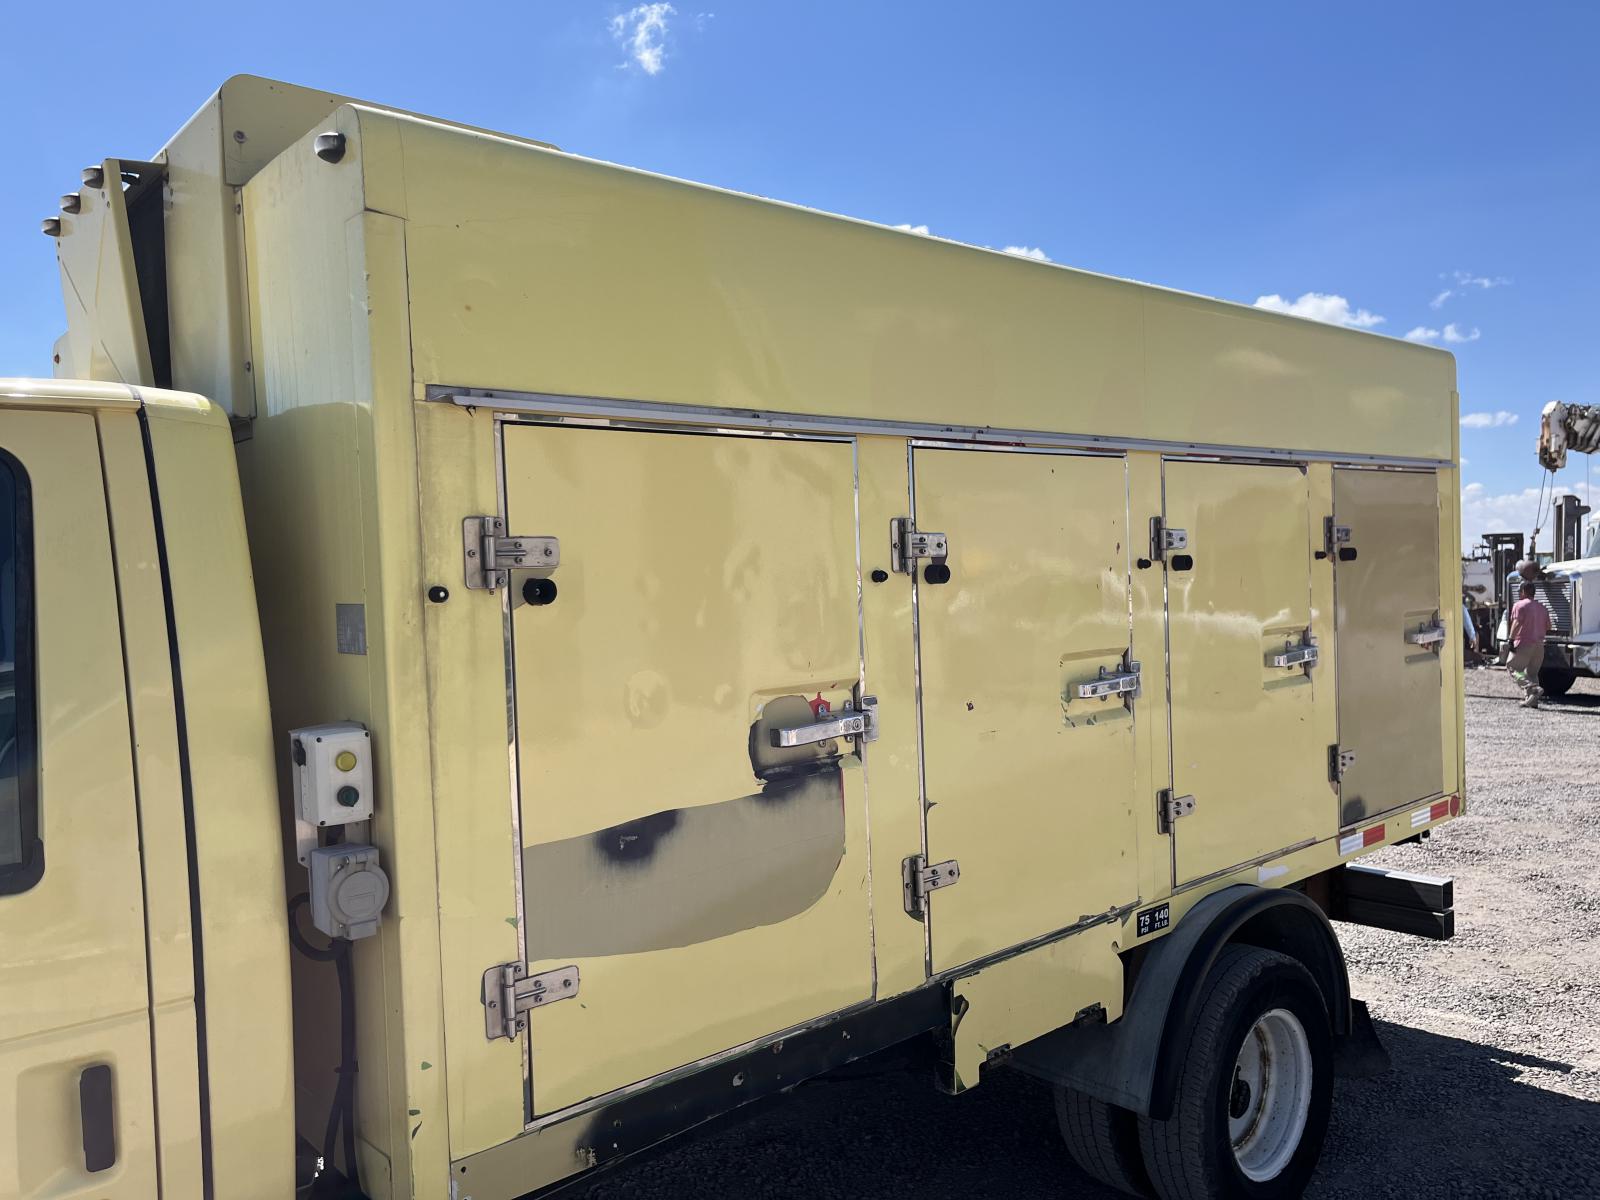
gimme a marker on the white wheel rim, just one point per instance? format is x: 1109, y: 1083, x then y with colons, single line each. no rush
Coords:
x: 1269, y: 1097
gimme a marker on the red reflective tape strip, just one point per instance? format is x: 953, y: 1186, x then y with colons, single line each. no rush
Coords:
x: 1371, y: 837
x: 1440, y: 810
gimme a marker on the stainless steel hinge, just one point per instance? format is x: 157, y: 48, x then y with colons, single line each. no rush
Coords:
x: 1164, y: 537
x: 509, y: 992
x: 1340, y: 760
x: 917, y: 879
x: 1334, y: 536
x: 489, y: 555
x: 1169, y: 808
x: 907, y: 544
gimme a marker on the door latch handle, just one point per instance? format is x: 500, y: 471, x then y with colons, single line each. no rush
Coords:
x: 1111, y: 683
x: 1431, y: 636
x: 96, y: 1104
x: 1296, y: 656
x: 848, y: 724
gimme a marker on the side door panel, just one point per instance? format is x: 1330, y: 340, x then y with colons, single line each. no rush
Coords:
x: 710, y: 887
x: 1386, y: 591
x: 1028, y: 786
x: 1244, y: 743
x: 72, y: 938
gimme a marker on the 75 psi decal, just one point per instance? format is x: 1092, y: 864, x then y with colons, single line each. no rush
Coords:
x: 1153, y: 920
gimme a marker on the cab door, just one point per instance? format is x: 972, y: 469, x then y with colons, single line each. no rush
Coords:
x: 700, y: 884
x: 1390, y: 639
x: 1244, y: 744
x: 76, y: 1108
x: 1029, y: 783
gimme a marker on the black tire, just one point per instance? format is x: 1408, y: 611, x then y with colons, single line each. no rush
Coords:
x: 1555, y: 681
x: 1103, y: 1140
x: 1191, y: 1155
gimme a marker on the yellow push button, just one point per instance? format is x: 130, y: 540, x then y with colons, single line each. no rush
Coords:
x: 345, y: 761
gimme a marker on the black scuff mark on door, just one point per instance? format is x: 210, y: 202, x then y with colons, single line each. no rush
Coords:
x: 636, y: 841
x: 681, y: 876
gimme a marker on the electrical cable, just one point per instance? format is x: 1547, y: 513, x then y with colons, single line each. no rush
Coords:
x: 342, y: 1111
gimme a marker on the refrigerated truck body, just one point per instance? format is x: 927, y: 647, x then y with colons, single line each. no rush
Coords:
x: 762, y: 638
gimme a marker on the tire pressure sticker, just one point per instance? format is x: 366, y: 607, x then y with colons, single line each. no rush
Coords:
x: 1153, y: 920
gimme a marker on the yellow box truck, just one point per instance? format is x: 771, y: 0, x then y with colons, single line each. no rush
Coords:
x: 606, y: 650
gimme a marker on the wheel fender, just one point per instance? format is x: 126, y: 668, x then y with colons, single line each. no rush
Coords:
x: 1135, y: 1061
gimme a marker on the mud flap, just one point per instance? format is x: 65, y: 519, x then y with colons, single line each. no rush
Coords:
x: 1359, y: 1054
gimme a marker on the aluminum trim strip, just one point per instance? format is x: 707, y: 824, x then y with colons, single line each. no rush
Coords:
x: 648, y: 411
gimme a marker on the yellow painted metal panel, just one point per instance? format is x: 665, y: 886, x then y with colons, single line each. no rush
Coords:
x: 1033, y: 993
x: 531, y: 268
x: 1152, y: 763
x: 105, y: 324
x: 73, y: 987
x: 708, y: 589
x: 164, y: 853
x: 892, y: 762
x: 1029, y: 786
x: 1243, y: 731
x: 1391, y: 690
x: 464, y: 642
x: 330, y: 472
x: 234, y: 781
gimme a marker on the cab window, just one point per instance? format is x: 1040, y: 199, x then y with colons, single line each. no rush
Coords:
x: 21, y: 850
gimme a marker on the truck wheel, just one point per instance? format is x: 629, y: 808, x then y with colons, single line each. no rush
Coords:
x: 1556, y: 682
x: 1255, y: 1088
x: 1103, y: 1140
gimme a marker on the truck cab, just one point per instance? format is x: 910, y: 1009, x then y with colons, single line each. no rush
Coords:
x: 1570, y: 589
x: 145, y: 962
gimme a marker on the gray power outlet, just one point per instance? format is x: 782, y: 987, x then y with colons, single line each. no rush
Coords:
x: 348, y: 890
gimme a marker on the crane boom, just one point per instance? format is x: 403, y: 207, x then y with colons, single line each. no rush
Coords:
x: 1564, y: 427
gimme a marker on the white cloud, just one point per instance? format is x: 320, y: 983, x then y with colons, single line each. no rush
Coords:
x: 1452, y: 333
x: 642, y: 32
x: 1423, y: 334
x: 922, y: 229
x: 1483, y: 420
x: 1509, y: 512
x: 1032, y: 252
x: 1464, y: 282
x: 1320, y: 306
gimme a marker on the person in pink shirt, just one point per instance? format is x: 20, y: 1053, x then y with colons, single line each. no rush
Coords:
x: 1530, y: 623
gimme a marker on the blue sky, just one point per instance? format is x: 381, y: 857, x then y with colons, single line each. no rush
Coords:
x: 1436, y: 166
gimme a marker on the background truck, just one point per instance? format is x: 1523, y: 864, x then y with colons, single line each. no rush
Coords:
x: 676, y: 645
x: 1572, y: 648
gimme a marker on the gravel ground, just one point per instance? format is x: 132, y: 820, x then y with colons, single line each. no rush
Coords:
x: 1495, y: 1036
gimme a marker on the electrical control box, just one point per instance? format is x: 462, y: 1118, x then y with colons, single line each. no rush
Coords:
x: 332, y: 773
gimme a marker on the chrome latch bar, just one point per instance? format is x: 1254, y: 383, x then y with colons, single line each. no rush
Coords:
x: 846, y: 725
x: 1124, y: 682
x: 489, y: 555
x: 1303, y: 653
x: 1431, y: 636
x: 858, y: 719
